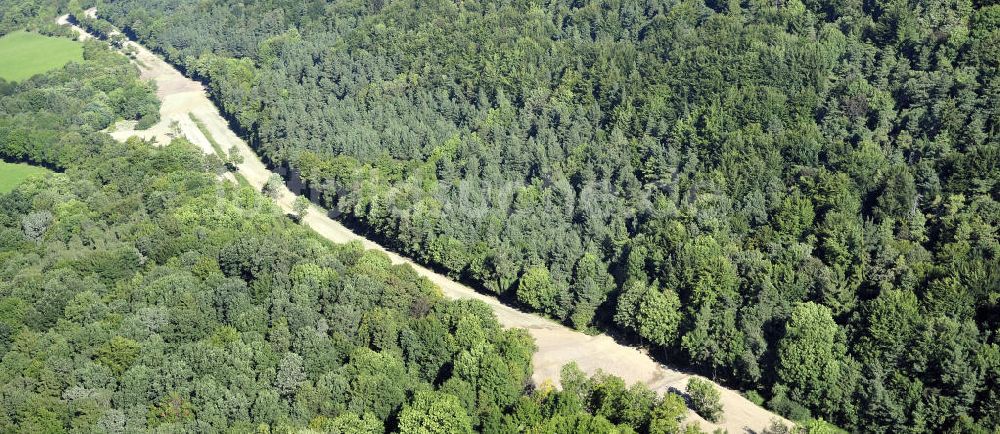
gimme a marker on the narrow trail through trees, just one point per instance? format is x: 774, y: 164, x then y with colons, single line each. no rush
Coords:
x: 557, y: 344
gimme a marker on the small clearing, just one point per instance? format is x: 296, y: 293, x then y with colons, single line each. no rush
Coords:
x: 12, y: 174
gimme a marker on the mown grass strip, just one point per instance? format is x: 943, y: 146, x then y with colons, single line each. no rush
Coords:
x: 242, y: 180
x: 204, y: 130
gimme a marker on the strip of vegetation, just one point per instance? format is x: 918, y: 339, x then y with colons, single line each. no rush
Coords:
x: 208, y: 135
x: 242, y: 180
x: 232, y: 159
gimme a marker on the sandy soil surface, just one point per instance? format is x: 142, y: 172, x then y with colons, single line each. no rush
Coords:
x: 557, y: 344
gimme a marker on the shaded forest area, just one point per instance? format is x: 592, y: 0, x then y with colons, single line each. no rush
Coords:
x: 797, y: 197
x: 140, y: 293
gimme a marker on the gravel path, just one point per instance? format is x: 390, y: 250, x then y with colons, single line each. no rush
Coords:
x: 557, y: 344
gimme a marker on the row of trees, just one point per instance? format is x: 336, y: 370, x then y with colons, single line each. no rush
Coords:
x: 760, y: 189
x: 138, y: 292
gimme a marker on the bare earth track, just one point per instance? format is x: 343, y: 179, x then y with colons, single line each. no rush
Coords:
x: 557, y: 344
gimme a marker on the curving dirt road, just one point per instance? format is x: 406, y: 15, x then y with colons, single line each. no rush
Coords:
x: 557, y: 344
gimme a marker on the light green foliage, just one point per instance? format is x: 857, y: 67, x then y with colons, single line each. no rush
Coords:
x: 536, y: 289
x: 211, y: 139
x: 778, y: 427
x: 272, y: 187
x: 348, y: 423
x: 118, y: 354
x: 668, y: 415
x: 892, y: 317
x: 290, y: 375
x: 704, y: 399
x: 659, y: 316
x: 434, y: 413
x: 135, y: 101
x: 377, y: 382
x: 819, y: 426
x: 707, y: 282
x: 50, y: 122
x: 33, y: 15
x: 634, y: 408
x: 235, y: 156
x: 810, y: 361
x: 592, y: 285
x: 301, y: 207
x: 25, y: 54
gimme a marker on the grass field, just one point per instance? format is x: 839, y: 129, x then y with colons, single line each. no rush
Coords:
x: 12, y: 174
x: 24, y: 54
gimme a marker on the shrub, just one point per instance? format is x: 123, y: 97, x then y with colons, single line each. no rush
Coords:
x: 147, y: 121
x: 704, y: 399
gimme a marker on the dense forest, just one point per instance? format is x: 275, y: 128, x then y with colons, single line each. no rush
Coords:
x: 797, y: 197
x: 139, y: 292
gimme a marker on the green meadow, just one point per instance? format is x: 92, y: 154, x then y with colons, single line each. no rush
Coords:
x: 12, y: 174
x: 24, y: 54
